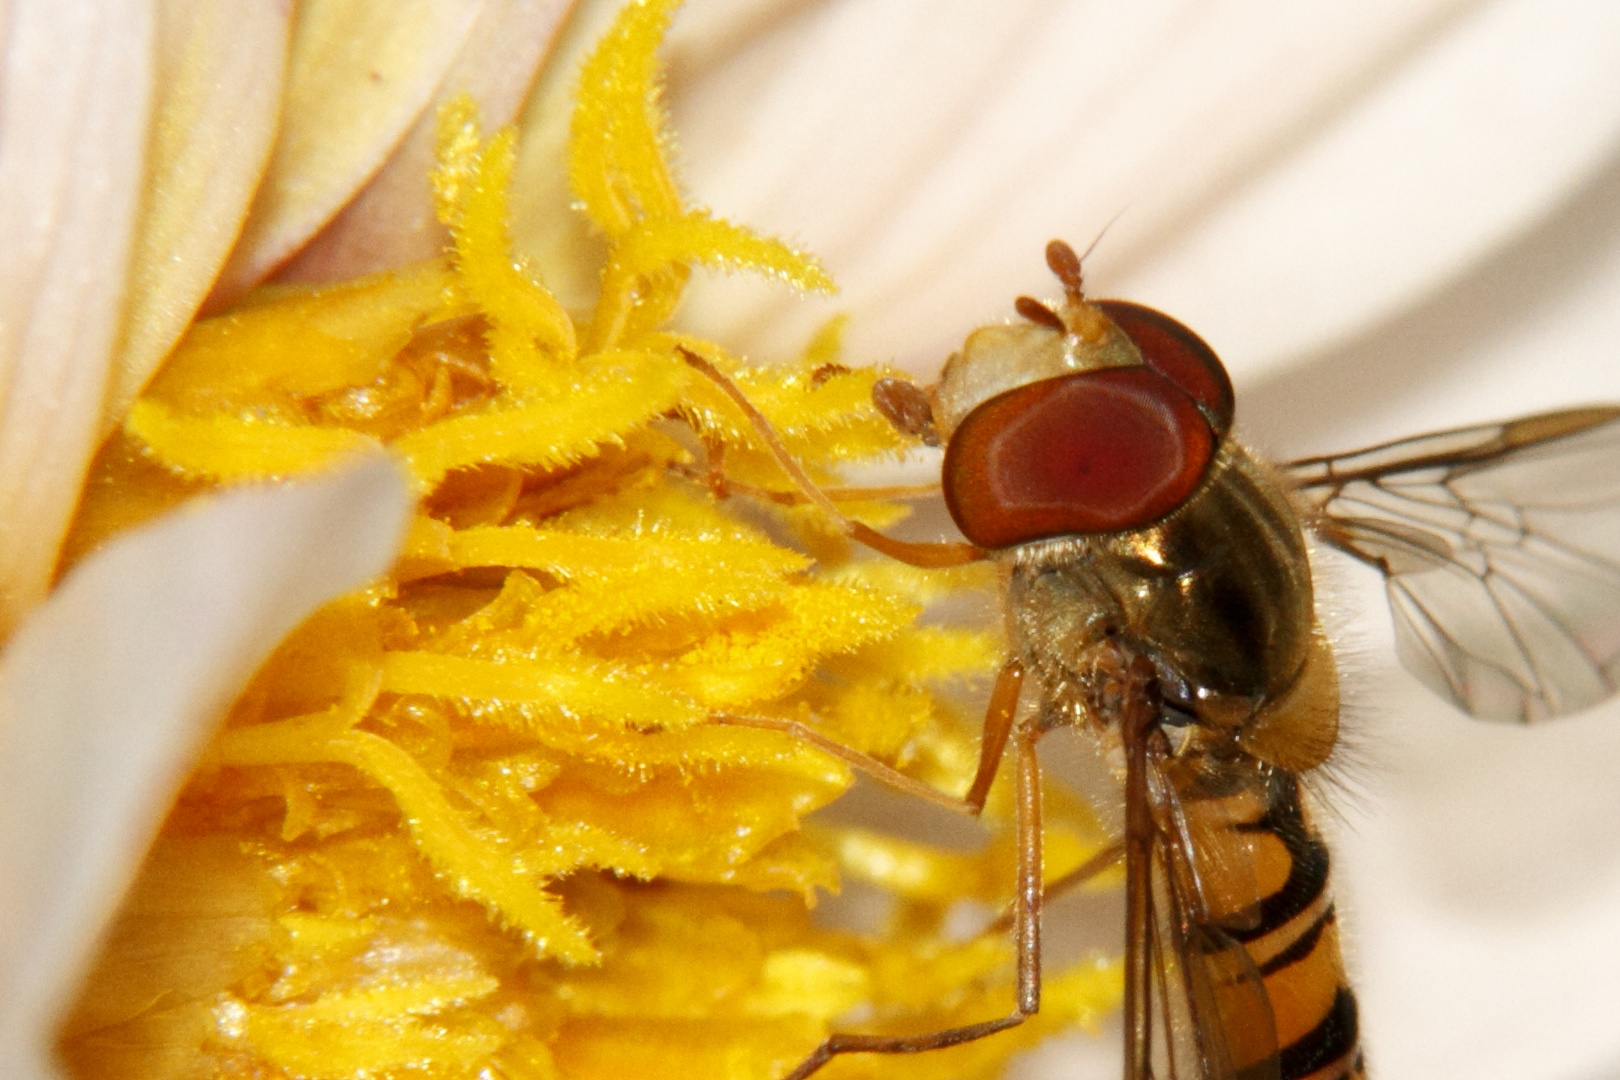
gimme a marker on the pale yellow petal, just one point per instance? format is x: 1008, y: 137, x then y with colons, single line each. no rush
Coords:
x: 194, y: 894
x: 217, y: 99
x: 391, y: 222
x: 74, y: 98
x: 359, y: 76
x: 113, y: 685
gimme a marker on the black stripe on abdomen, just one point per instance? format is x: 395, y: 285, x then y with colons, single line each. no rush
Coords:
x: 1302, y: 946
x: 1307, y: 854
x: 1331, y: 1040
x: 1304, y: 956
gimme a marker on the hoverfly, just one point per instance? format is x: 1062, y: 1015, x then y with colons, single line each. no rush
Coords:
x: 1159, y: 598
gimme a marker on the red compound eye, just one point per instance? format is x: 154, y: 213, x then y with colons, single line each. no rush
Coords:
x: 1181, y: 355
x: 1096, y: 451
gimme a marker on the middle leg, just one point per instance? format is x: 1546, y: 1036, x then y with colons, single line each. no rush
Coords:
x: 1026, y: 937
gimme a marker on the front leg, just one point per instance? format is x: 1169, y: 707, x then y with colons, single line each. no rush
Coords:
x: 1026, y: 937
x: 926, y: 555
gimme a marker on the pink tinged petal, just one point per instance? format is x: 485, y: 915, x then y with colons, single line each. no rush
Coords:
x: 960, y: 145
x: 928, y: 155
x: 218, y: 95
x: 359, y: 76
x: 108, y: 692
x: 1472, y: 141
x: 391, y: 222
x: 74, y: 96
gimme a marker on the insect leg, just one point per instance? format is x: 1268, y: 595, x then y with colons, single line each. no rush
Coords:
x: 1102, y: 860
x: 866, y: 763
x: 915, y: 554
x: 1026, y: 939
x: 1136, y: 724
x: 884, y: 1044
x: 998, y: 722
x: 796, y: 498
x: 1027, y: 897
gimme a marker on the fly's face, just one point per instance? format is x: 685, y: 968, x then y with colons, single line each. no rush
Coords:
x: 1098, y: 418
x: 1091, y: 446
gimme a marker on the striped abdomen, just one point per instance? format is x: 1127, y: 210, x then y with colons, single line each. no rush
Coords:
x: 1290, y: 935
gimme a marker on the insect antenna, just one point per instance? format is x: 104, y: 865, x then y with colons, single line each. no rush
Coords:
x: 1102, y: 232
x: 1037, y: 312
x: 1066, y: 265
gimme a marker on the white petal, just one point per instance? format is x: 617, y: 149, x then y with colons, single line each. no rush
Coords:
x: 74, y: 96
x: 392, y: 221
x: 108, y: 691
x: 927, y: 154
x: 1533, y: 328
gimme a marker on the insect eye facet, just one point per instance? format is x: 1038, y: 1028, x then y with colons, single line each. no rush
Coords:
x: 1096, y: 451
x: 1179, y: 354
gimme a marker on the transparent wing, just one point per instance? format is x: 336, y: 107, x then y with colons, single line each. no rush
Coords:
x: 1215, y: 1018
x: 1500, y: 546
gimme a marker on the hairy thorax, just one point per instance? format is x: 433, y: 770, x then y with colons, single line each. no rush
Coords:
x: 1217, y: 595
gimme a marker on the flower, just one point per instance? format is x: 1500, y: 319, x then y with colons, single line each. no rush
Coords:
x: 144, y: 137
x: 106, y: 272
x: 416, y: 843
x: 1319, y: 157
